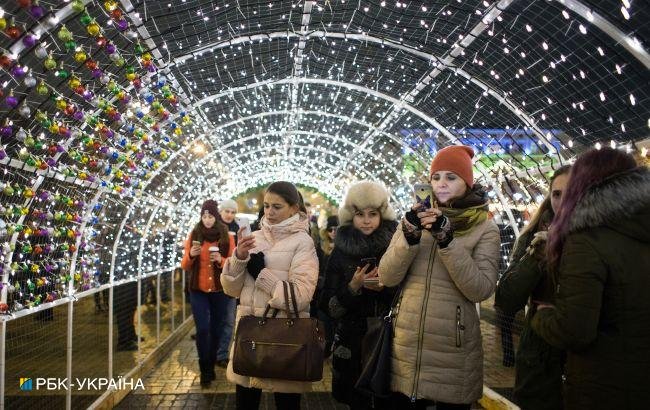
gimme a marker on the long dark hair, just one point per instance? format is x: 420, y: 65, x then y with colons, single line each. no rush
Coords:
x: 535, y: 221
x: 590, y: 169
x: 289, y: 193
x: 219, y: 229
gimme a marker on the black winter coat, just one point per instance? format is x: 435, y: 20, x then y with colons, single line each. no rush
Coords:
x: 349, y: 309
x: 602, y: 309
x: 539, y: 366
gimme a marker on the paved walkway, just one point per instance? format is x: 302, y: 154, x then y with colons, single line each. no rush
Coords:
x: 175, y: 381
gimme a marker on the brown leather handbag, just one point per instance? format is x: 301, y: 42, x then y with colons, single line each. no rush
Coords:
x: 288, y: 348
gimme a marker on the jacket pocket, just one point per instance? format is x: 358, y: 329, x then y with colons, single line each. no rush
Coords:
x: 460, y: 327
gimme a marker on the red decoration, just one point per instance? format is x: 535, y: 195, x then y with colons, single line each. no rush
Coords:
x: 13, y: 32
x: 90, y: 64
x: 24, y: 3
x: 116, y: 14
x: 6, y: 61
x: 101, y: 41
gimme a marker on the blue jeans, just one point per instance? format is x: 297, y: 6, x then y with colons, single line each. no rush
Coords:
x: 209, y: 311
x: 226, y: 328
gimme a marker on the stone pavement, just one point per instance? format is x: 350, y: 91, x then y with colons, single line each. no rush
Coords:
x: 175, y: 381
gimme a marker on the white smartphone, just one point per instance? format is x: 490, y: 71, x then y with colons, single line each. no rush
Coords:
x: 243, y: 222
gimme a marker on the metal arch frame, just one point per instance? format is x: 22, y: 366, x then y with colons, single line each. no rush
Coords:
x: 307, y: 148
x: 307, y: 167
x: 308, y: 112
x: 310, y: 148
x: 628, y: 42
x: 297, y: 132
x: 440, y: 64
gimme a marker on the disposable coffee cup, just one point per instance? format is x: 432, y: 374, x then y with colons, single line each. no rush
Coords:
x: 213, y: 249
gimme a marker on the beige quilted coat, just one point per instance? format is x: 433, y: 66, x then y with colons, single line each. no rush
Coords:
x: 289, y: 255
x: 437, y: 352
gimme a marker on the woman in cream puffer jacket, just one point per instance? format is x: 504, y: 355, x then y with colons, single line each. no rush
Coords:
x: 448, y: 258
x: 289, y: 255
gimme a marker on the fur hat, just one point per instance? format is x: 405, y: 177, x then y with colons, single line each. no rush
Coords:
x: 457, y: 159
x: 366, y: 194
x: 210, y: 206
x: 229, y: 204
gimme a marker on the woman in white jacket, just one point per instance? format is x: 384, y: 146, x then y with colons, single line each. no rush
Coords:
x: 281, y: 250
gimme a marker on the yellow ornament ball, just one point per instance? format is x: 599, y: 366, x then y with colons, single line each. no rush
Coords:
x: 74, y: 82
x: 110, y: 5
x: 93, y: 29
x: 130, y: 76
x: 61, y: 104
x: 80, y: 56
x: 178, y: 131
x: 54, y: 128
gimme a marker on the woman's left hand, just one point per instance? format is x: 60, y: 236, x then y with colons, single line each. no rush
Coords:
x: 216, y: 257
x: 429, y: 216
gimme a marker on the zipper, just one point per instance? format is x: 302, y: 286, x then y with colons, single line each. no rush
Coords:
x: 254, y: 344
x: 423, y: 312
x: 459, y: 326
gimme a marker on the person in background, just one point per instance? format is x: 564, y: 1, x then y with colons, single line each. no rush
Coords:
x: 228, y: 210
x: 323, y: 251
x: 451, y: 255
x: 313, y: 224
x: 255, y: 226
x: 367, y: 226
x: 599, y: 254
x: 281, y: 250
x: 539, y: 366
x: 207, y: 248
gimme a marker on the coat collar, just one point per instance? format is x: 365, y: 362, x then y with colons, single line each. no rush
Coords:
x: 297, y: 223
x: 353, y: 242
x: 618, y: 197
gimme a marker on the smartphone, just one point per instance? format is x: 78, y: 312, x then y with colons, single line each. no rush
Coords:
x: 369, y: 261
x: 244, y: 223
x: 424, y: 195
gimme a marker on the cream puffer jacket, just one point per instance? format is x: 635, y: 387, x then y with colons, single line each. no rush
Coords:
x: 437, y: 351
x: 289, y: 255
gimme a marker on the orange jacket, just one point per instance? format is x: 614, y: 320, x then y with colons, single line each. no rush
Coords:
x: 207, y: 282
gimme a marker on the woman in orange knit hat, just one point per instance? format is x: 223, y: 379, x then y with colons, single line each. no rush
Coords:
x: 206, y: 250
x: 448, y: 257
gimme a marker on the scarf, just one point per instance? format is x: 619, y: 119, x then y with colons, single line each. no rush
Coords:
x: 467, y: 212
x: 201, y: 233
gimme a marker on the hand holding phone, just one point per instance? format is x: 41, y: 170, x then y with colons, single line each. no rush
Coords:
x: 246, y: 225
x: 195, y: 249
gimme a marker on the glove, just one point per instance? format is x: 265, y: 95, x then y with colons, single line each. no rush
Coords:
x: 411, y: 233
x: 255, y: 264
x: 441, y: 221
x: 538, y: 245
x: 412, y: 217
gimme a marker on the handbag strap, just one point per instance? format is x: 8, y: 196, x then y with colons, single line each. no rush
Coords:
x: 293, y: 299
x: 288, y: 286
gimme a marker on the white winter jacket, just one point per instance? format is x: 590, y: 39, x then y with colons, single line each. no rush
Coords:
x: 289, y: 255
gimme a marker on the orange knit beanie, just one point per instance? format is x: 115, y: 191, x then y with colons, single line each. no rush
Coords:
x: 457, y: 159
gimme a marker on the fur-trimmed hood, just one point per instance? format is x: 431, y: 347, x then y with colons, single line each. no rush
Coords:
x: 621, y: 202
x: 366, y: 194
x: 353, y: 242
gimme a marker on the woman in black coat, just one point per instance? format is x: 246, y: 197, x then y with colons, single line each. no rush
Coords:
x: 352, y: 292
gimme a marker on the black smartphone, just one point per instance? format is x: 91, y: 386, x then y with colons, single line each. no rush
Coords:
x: 369, y: 261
